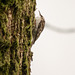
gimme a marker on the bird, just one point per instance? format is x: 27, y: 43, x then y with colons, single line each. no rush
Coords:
x: 38, y: 28
x: 39, y: 25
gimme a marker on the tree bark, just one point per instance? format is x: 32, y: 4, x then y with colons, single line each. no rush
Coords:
x: 16, y: 22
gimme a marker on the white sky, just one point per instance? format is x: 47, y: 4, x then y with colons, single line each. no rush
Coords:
x: 54, y: 53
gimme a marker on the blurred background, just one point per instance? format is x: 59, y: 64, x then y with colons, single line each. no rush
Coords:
x: 54, y: 52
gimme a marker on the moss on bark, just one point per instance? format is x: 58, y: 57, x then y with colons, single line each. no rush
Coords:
x: 16, y: 21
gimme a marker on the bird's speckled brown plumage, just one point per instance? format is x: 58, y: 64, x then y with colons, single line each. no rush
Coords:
x: 39, y: 26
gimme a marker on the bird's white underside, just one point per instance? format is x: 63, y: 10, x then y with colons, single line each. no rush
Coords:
x: 38, y: 19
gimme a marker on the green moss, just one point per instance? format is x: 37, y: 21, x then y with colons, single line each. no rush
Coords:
x: 14, y: 45
x: 19, y: 37
x: 4, y: 69
x: 27, y: 19
x: 4, y: 45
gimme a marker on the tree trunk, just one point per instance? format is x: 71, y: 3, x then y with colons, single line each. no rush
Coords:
x: 16, y: 22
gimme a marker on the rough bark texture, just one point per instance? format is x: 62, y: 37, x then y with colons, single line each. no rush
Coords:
x: 16, y: 22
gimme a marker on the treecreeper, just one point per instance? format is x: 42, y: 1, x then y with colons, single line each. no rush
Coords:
x: 38, y: 28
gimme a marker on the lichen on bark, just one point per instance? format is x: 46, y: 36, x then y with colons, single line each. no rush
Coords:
x: 16, y: 22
